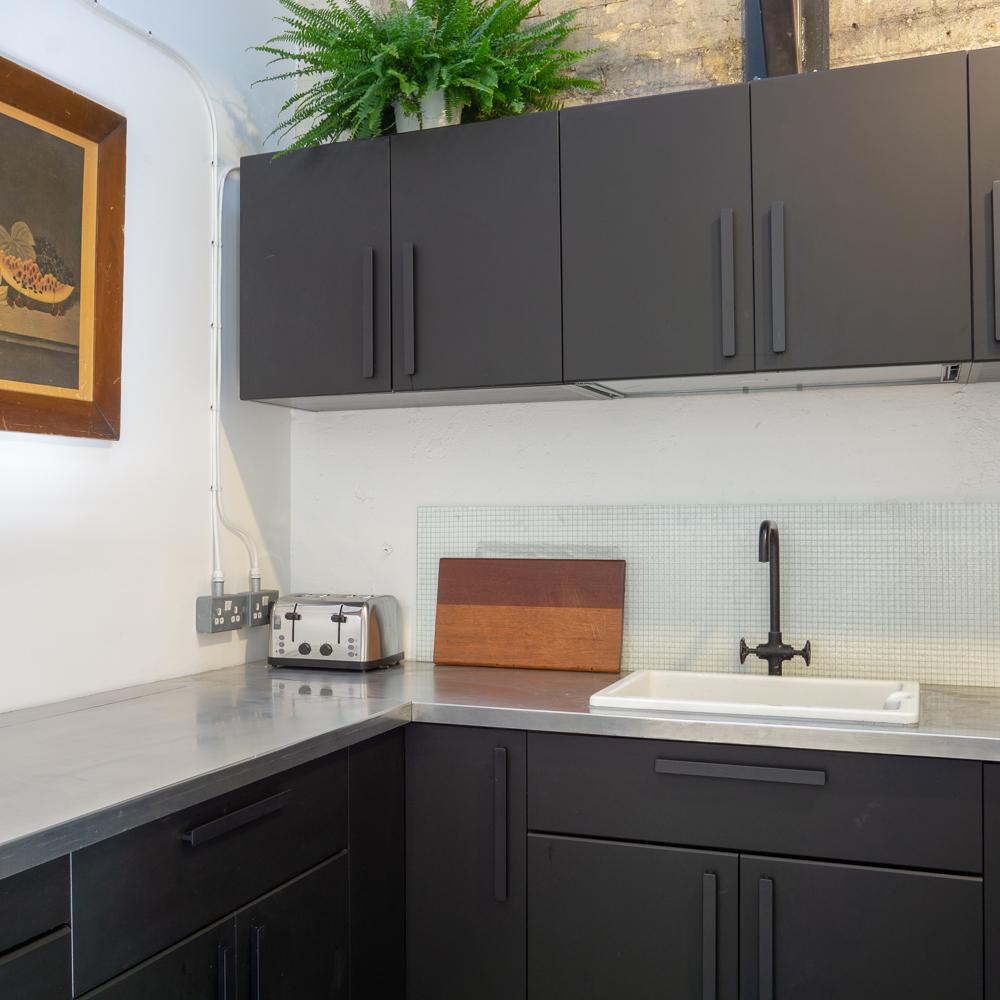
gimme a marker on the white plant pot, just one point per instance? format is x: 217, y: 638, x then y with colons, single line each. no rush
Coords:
x: 431, y: 115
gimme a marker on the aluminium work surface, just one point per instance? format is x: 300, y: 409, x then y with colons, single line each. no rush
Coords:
x: 79, y: 771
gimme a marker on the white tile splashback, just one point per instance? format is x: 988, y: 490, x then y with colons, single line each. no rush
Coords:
x: 904, y: 591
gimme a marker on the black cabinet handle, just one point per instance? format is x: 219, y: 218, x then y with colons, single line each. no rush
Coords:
x: 367, y: 312
x: 223, y: 960
x: 777, y: 277
x: 409, y: 337
x: 256, y: 947
x: 500, y: 824
x: 708, y: 936
x: 728, y: 290
x: 217, y: 827
x: 996, y: 260
x: 765, y: 958
x: 741, y: 772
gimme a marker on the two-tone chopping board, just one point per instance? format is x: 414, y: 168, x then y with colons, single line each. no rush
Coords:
x: 552, y: 614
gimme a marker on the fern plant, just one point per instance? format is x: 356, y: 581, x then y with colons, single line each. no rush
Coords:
x: 361, y: 62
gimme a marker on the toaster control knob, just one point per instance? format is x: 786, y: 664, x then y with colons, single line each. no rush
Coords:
x: 326, y: 649
x: 305, y: 649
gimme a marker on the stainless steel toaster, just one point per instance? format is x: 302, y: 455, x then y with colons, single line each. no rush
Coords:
x: 336, y: 631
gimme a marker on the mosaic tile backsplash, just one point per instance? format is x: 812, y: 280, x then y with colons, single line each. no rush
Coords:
x: 901, y: 591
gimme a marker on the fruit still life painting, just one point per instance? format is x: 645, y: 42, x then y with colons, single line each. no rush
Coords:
x: 45, y: 228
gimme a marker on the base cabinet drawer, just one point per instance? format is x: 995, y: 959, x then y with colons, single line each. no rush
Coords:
x: 41, y: 970
x: 293, y: 944
x: 146, y: 889
x: 203, y: 967
x: 33, y: 902
x: 838, y: 932
x: 906, y: 812
x: 630, y: 920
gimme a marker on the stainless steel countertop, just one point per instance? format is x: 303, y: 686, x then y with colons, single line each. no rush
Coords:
x: 79, y: 771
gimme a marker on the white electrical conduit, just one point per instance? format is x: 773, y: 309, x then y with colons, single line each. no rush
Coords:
x: 219, y: 177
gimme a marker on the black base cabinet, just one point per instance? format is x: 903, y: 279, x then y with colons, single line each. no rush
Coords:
x: 840, y: 932
x: 630, y: 920
x: 40, y: 970
x: 294, y: 942
x: 466, y: 874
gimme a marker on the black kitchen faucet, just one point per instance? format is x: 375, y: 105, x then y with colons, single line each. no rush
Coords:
x: 774, y: 650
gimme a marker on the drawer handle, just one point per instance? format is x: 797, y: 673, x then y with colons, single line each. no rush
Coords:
x: 224, y: 956
x: 765, y: 956
x: 256, y: 947
x: 996, y: 260
x: 708, y: 936
x: 777, y: 276
x: 217, y: 827
x: 500, y: 824
x: 367, y: 312
x: 741, y: 772
x: 728, y: 290
x: 409, y: 334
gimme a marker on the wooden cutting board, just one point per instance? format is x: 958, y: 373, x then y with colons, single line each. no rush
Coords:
x: 550, y: 614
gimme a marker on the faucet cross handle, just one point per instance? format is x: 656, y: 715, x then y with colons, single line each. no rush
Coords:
x: 775, y: 652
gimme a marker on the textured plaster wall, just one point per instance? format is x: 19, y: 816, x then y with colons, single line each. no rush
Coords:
x: 657, y: 46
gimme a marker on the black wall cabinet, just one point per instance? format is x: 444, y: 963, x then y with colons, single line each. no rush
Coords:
x: 294, y: 943
x: 861, y: 214
x: 657, y: 236
x: 466, y: 871
x: 836, y: 932
x: 984, y: 172
x: 314, y: 271
x: 475, y: 240
x: 630, y: 920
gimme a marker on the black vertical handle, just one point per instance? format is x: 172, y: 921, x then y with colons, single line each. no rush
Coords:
x: 409, y: 337
x: 500, y: 824
x: 256, y: 962
x: 367, y: 312
x: 728, y: 290
x: 996, y: 260
x: 223, y: 961
x: 777, y: 277
x: 765, y: 958
x: 708, y: 936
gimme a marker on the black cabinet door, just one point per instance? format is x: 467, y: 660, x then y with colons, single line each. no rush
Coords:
x: 475, y: 242
x: 860, y: 192
x: 294, y: 942
x: 984, y: 172
x: 837, y: 932
x: 33, y: 902
x: 657, y: 236
x: 202, y: 967
x: 640, y: 921
x: 465, y: 872
x: 41, y: 970
x: 314, y: 271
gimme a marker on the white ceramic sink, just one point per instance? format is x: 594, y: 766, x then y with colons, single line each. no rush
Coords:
x: 753, y: 694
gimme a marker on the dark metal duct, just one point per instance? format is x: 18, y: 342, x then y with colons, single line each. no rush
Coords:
x: 787, y: 36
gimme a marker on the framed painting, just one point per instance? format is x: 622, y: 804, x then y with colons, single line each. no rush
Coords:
x: 62, y: 215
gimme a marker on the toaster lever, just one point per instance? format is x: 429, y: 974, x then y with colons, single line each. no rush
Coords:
x: 293, y: 616
x: 339, y: 619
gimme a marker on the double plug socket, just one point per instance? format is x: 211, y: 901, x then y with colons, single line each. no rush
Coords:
x: 231, y: 612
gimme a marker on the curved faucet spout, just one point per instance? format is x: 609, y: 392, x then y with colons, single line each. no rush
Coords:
x: 768, y: 552
x: 768, y: 531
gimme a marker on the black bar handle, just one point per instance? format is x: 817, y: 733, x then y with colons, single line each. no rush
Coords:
x: 367, y: 312
x: 409, y: 335
x: 996, y: 260
x: 777, y: 277
x: 256, y: 960
x: 741, y: 772
x: 224, y: 978
x: 500, y: 824
x: 728, y: 288
x: 765, y: 957
x: 708, y: 936
x: 231, y: 821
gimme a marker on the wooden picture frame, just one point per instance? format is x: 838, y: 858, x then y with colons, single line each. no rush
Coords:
x: 93, y: 407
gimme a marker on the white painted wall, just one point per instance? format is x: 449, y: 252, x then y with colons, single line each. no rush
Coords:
x: 358, y: 478
x: 105, y: 546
